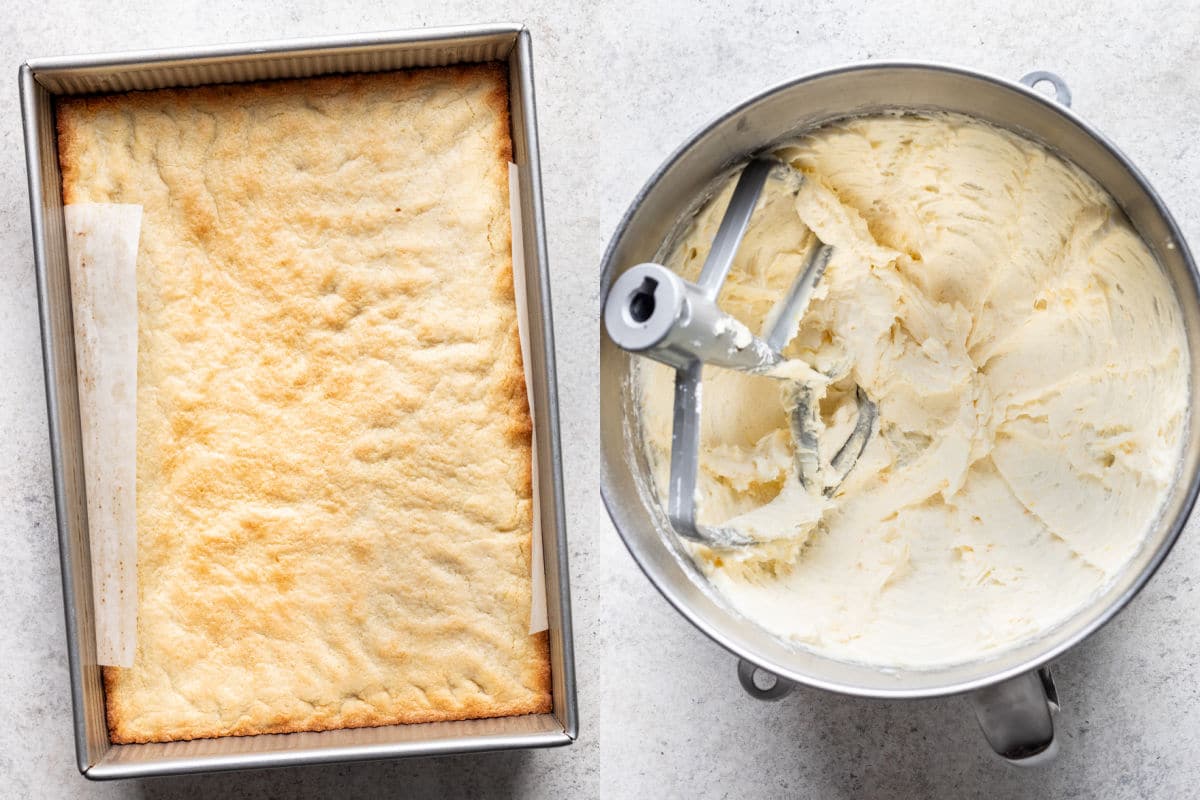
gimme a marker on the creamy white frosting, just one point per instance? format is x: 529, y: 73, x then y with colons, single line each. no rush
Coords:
x: 1027, y: 356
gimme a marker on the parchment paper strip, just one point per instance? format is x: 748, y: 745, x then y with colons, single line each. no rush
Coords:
x: 102, y: 243
x: 537, y: 613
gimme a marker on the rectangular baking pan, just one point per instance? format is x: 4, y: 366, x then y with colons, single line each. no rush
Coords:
x: 43, y: 79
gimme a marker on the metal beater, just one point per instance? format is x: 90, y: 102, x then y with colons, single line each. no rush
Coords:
x: 653, y: 312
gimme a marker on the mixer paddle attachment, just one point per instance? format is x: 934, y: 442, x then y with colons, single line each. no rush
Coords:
x: 802, y: 403
x: 653, y: 312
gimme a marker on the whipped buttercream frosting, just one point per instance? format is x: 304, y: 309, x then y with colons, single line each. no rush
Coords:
x: 1027, y: 357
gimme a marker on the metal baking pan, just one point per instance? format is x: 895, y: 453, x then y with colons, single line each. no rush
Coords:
x: 42, y: 80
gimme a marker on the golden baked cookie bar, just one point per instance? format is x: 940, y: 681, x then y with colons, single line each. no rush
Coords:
x: 334, y: 502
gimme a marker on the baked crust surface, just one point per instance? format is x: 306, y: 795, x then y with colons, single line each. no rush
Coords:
x: 334, y: 501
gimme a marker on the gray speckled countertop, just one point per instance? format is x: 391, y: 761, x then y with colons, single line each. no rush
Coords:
x: 662, y: 715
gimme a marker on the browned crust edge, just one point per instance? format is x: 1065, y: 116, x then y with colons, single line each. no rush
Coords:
x: 540, y: 704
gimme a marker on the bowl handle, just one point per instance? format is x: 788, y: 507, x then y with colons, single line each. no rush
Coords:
x: 1062, y: 93
x: 772, y: 687
x: 1016, y: 716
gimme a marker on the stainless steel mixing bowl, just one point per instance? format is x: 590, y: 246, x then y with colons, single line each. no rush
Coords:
x: 1011, y: 694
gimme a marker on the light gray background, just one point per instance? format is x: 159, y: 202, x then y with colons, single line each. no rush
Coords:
x: 619, y: 86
